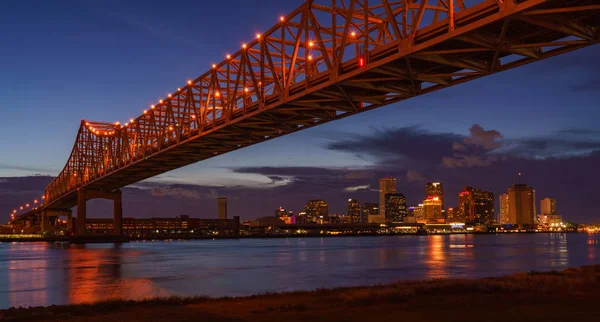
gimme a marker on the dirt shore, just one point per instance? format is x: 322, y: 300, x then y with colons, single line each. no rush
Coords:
x: 569, y: 295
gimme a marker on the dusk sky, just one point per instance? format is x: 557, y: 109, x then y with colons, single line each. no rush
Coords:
x: 63, y: 61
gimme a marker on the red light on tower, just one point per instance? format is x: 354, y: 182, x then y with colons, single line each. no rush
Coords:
x: 361, y: 62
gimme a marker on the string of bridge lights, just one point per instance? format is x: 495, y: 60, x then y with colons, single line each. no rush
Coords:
x: 217, y: 94
x: 35, y: 204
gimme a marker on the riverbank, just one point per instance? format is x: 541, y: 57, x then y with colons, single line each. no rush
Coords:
x: 569, y: 295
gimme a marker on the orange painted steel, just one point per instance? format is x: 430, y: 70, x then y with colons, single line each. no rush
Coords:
x: 317, y: 64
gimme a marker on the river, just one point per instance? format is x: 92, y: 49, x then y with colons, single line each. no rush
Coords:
x: 40, y: 274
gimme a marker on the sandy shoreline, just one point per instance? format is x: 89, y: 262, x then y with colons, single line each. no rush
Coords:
x: 569, y: 295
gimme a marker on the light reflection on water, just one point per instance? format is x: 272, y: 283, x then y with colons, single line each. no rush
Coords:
x: 33, y: 274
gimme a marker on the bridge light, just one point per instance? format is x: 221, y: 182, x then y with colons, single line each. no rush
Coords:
x: 217, y: 93
x: 145, y: 111
x: 244, y: 46
x: 130, y: 120
x: 353, y: 34
x: 282, y: 18
x: 27, y: 206
x: 194, y: 117
x: 189, y: 82
x: 21, y: 208
x: 310, y: 44
x: 309, y: 57
x: 258, y: 36
x: 160, y: 101
x: 214, y: 66
x: 228, y: 56
x: 361, y: 62
x: 169, y: 95
x: 117, y: 123
x: 151, y: 107
x: 246, y: 89
x: 178, y: 89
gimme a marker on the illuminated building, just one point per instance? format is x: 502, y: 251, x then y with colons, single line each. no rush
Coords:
x: 548, y: 206
x: 280, y: 212
x: 451, y: 215
x: 416, y: 211
x: 504, y: 217
x: 353, y: 210
x: 369, y: 210
x: 476, y: 206
x: 317, y: 211
x: 435, y: 189
x: 521, y: 205
x: 386, y: 185
x: 395, y: 207
x: 432, y: 208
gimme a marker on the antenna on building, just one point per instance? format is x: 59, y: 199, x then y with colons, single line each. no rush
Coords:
x: 519, y: 178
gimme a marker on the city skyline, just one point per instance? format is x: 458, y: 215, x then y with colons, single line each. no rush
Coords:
x: 472, y: 133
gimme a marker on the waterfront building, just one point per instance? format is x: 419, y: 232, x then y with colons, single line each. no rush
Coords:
x: 386, y: 185
x: 432, y: 209
x: 416, y: 211
x: 369, y: 210
x: 476, y: 206
x: 353, y: 210
x: 317, y: 211
x: 222, y: 208
x: 280, y: 212
x: 521, y: 205
x: 395, y: 207
x: 451, y: 215
x: 504, y: 216
x: 548, y: 206
x: 435, y: 189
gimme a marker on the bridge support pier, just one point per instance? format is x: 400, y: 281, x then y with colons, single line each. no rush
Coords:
x: 84, y: 195
x: 44, y: 221
x: 81, y: 211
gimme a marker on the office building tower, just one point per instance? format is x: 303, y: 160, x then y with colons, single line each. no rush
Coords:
x: 521, y: 205
x: 476, y: 206
x: 222, y: 208
x: 317, y: 211
x: 504, y: 217
x: 395, y: 207
x: 386, y: 185
x: 435, y: 189
x: 368, y: 211
x: 548, y: 206
x: 432, y: 209
x: 353, y: 211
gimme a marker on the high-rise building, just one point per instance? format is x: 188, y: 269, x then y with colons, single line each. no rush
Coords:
x: 369, y: 209
x: 386, y: 185
x: 432, y: 208
x: 222, y: 208
x: 451, y: 215
x: 504, y: 217
x: 521, y: 205
x: 317, y: 211
x: 435, y: 189
x: 417, y: 212
x: 353, y: 210
x: 548, y: 206
x: 280, y: 212
x: 476, y: 206
x: 395, y: 207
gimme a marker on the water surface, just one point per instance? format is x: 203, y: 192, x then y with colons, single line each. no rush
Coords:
x: 33, y: 274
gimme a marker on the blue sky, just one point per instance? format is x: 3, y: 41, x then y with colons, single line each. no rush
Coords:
x: 63, y: 61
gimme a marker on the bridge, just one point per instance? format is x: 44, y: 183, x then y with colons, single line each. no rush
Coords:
x: 317, y: 64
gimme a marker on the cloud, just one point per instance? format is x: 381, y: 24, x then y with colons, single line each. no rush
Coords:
x: 357, y: 188
x: 487, y: 139
x: 413, y: 176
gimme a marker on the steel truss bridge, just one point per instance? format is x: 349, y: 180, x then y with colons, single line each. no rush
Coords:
x: 317, y: 64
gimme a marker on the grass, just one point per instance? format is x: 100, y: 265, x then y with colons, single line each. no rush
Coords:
x: 570, y: 283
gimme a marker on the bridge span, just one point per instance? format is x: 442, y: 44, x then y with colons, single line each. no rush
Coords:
x: 319, y: 63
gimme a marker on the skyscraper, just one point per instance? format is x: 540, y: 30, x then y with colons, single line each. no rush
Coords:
x: 435, y: 189
x: 317, y: 211
x: 521, y: 205
x: 548, y: 206
x: 476, y: 206
x: 369, y: 210
x: 386, y: 185
x: 432, y: 208
x: 353, y: 210
x: 395, y: 207
x: 504, y: 217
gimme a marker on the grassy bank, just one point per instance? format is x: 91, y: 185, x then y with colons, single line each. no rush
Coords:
x: 569, y: 295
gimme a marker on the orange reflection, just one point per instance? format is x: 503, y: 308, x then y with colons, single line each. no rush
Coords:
x: 436, y: 257
x: 27, y: 276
